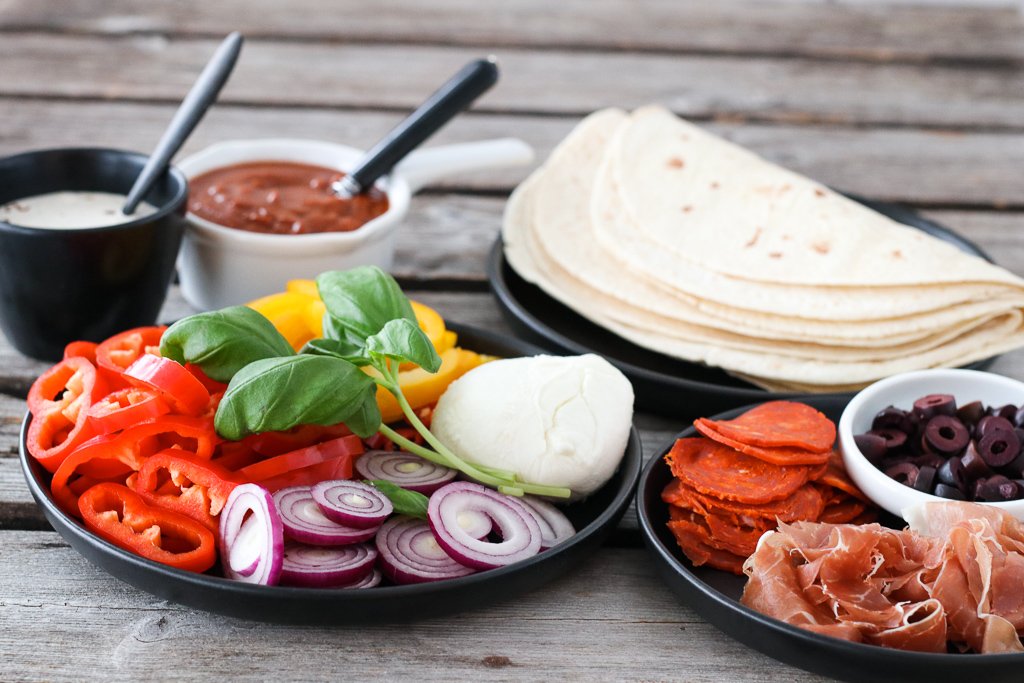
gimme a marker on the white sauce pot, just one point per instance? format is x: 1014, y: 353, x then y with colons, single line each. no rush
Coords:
x: 221, y: 266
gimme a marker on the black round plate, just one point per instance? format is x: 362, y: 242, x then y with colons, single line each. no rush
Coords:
x: 663, y: 384
x: 594, y: 518
x: 715, y: 596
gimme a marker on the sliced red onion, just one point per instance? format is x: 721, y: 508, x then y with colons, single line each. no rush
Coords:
x: 404, y: 469
x: 475, y: 523
x: 319, y: 567
x: 371, y: 580
x: 352, y: 503
x: 409, y: 553
x: 519, y: 530
x: 555, y: 527
x: 251, y: 536
x: 304, y: 521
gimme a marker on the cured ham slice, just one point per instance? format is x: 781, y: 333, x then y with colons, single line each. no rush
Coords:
x: 954, y: 577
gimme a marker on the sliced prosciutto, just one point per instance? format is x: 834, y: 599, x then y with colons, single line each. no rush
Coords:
x: 954, y: 577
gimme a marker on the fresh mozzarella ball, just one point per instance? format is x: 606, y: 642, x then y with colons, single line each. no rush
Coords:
x: 555, y: 421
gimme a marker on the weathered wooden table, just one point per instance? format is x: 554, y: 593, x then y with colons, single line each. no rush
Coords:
x: 917, y: 104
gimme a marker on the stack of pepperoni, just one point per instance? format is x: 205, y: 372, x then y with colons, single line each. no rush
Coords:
x: 774, y: 463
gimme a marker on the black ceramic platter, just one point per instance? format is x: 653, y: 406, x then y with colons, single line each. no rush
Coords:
x: 594, y: 519
x: 663, y: 384
x: 715, y: 595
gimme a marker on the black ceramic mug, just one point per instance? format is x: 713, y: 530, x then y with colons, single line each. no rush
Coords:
x: 61, y: 285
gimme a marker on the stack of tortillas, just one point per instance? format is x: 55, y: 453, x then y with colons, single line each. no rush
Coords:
x: 689, y: 245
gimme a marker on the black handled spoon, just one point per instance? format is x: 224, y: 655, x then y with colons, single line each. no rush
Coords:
x: 457, y: 94
x: 197, y: 101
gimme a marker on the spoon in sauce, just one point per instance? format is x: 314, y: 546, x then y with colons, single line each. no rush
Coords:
x: 450, y: 99
x: 193, y: 107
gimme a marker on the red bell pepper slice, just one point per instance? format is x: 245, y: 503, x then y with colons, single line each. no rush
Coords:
x: 234, y: 455
x: 120, y: 516
x: 346, y: 447
x: 59, y: 402
x: 81, y: 349
x: 112, y: 456
x: 278, y: 443
x: 178, y: 480
x: 121, y: 350
x: 379, y: 442
x: 335, y: 468
x: 172, y: 380
x: 124, y: 408
x: 212, y: 385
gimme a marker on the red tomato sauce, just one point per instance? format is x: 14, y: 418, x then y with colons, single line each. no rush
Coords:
x: 282, y: 198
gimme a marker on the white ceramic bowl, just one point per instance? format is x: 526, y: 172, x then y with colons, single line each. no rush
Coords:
x: 221, y: 266
x: 901, y: 391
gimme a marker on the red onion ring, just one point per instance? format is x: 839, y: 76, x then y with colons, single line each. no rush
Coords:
x: 256, y: 555
x: 404, y: 469
x: 555, y: 527
x: 520, y: 532
x: 475, y: 523
x: 352, y: 503
x: 304, y: 522
x: 371, y: 580
x: 319, y: 567
x: 409, y: 553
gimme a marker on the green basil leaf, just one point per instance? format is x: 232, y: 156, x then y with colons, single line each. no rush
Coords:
x: 223, y: 342
x: 280, y: 393
x: 360, y: 302
x: 406, y: 502
x: 337, y: 348
x: 405, y: 341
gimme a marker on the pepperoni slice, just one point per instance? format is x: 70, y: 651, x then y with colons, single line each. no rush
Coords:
x: 842, y: 512
x: 780, y: 423
x: 782, y: 455
x: 692, y: 538
x: 806, y: 503
x: 835, y: 476
x: 721, y: 472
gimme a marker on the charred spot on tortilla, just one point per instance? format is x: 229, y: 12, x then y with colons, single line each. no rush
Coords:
x: 775, y: 254
x: 897, y: 254
x: 714, y: 185
x: 688, y: 208
x: 753, y: 240
x: 675, y: 162
x: 821, y: 247
x: 818, y: 192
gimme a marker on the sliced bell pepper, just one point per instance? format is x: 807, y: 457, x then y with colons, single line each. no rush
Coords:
x: 342, y: 447
x: 118, y: 352
x: 124, y: 408
x: 379, y: 442
x: 178, y: 480
x: 277, y: 443
x: 81, y: 349
x: 59, y: 401
x: 113, y: 456
x: 212, y: 385
x: 234, y: 455
x: 120, y: 516
x: 334, y: 468
x: 179, y: 386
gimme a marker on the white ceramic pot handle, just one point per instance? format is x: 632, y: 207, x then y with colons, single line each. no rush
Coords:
x: 425, y: 166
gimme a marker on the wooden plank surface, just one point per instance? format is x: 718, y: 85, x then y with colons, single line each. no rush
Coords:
x: 155, y: 68
x: 935, y: 168
x: 964, y: 31
x: 611, y: 619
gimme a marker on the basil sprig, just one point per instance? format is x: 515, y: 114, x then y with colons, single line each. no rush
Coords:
x: 223, y: 342
x: 369, y: 324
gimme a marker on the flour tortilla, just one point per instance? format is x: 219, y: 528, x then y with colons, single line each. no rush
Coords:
x: 553, y: 238
x: 752, y: 219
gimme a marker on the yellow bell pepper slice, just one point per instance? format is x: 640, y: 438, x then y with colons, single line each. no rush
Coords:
x: 307, y: 287
x: 422, y: 388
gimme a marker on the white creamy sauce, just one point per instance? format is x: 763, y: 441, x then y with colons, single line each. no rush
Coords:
x: 68, y: 210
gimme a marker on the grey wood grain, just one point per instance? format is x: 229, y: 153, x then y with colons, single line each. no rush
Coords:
x: 399, y: 77
x: 916, y: 166
x: 879, y: 31
x: 611, y: 619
